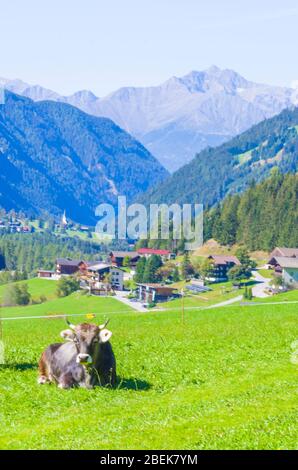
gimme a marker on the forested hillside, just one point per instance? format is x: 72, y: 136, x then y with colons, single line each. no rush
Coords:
x: 54, y: 157
x: 181, y: 116
x: 230, y: 168
x: 264, y: 216
x: 30, y: 252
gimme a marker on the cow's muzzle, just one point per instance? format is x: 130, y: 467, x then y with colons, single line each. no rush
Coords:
x: 84, y: 359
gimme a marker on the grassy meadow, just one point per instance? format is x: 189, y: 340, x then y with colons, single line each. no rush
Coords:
x: 289, y: 296
x: 221, y: 380
x: 220, y: 292
x: 37, y: 287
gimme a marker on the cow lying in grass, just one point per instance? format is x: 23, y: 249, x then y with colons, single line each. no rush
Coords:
x: 86, y: 360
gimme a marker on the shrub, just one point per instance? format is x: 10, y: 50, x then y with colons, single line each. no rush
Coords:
x: 16, y: 294
x: 66, y: 286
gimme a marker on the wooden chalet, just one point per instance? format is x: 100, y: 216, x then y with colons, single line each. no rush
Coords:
x: 68, y: 266
x: 221, y: 266
x: 281, y: 253
x: 117, y: 258
x: 97, y: 272
x: 287, y: 268
x: 151, y: 292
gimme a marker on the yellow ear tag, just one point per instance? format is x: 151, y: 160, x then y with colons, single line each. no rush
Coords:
x: 89, y: 316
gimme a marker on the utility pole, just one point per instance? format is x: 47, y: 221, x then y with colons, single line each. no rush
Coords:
x: 1, y: 344
x: 182, y: 305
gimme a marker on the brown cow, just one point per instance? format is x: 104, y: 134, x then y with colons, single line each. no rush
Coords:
x: 86, y: 360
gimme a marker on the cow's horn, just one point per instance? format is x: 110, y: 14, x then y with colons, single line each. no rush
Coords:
x: 102, y: 327
x: 70, y: 324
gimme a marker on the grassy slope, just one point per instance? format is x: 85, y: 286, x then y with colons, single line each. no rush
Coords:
x: 220, y: 292
x: 82, y: 235
x: 76, y: 303
x: 268, y: 273
x: 222, y: 380
x: 213, y: 247
x: 37, y: 287
x: 289, y: 296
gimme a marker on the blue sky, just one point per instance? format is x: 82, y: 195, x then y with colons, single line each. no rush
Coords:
x: 101, y: 45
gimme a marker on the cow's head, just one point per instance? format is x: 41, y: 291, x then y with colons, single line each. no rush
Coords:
x: 86, y: 337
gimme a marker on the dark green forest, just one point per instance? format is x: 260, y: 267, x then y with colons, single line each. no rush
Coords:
x: 264, y: 216
x: 29, y: 252
x: 230, y: 168
x: 54, y: 157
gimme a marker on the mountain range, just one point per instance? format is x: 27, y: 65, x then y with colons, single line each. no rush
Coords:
x: 182, y: 116
x: 233, y: 166
x: 54, y: 157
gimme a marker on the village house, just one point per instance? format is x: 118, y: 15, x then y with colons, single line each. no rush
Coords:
x: 281, y: 253
x: 117, y: 258
x: 221, y: 265
x: 47, y: 274
x: 98, y: 272
x: 84, y: 228
x: 14, y: 226
x: 287, y: 268
x: 165, y: 254
x: 91, y: 273
x: 149, y: 293
x: 68, y: 266
x: 64, y: 267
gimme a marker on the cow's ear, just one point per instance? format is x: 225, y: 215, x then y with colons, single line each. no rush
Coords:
x: 68, y: 335
x: 104, y: 335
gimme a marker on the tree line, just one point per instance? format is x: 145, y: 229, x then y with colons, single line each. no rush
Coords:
x: 264, y: 216
x: 26, y: 253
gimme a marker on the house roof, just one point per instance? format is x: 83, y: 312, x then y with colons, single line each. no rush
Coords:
x: 94, y: 262
x: 98, y: 266
x: 69, y: 261
x: 286, y: 252
x: 153, y: 251
x: 124, y: 254
x: 285, y: 262
x: 156, y: 286
x: 222, y: 259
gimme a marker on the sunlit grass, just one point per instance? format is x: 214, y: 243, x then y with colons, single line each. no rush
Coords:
x: 36, y: 287
x: 222, y: 380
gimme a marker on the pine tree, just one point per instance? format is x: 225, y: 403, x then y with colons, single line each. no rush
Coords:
x: 151, y: 269
x: 186, y: 266
x: 140, y: 268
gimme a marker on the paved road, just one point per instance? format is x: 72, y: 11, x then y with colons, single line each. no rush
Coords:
x: 262, y: 284
x: 122, y: 297
x: 226, y: 302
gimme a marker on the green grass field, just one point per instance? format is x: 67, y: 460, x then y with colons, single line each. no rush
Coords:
x: 222, y: 380
x: 268, y: 273
x: 36, y: 287
x: 289, y: 296
x: 220, y: 293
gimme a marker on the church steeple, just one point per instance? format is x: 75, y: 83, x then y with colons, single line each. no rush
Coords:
x: 64, y: 222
